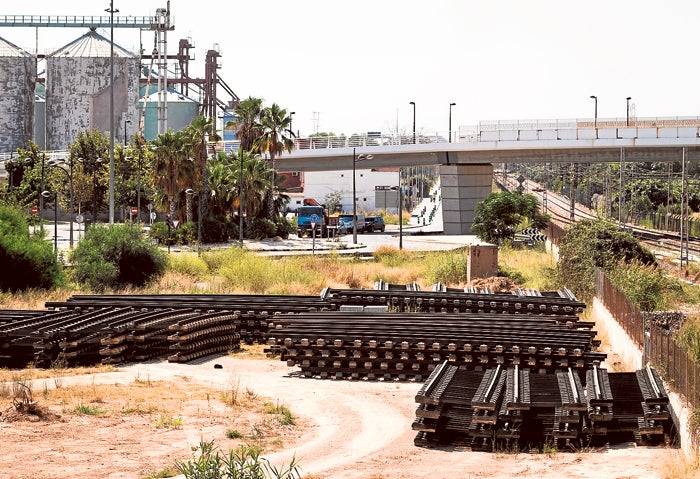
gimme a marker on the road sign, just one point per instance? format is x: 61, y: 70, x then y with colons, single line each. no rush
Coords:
x: 176, y: 223
x: 80, y: 218
x: 35, y: 210
x: 134, y: 210
x: 314, y: 219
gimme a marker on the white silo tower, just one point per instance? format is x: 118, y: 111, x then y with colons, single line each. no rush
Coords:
x: 17, y: 81
x: 78, y: 90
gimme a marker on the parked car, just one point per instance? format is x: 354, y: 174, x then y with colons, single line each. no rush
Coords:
x: 346, y: 221
x: 375, y: 223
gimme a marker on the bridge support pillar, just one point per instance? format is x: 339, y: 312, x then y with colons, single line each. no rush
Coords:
x: 463, y: 186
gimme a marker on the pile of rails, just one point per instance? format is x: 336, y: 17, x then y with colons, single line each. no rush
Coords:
x: 466, y: 328
x: 87, y: 329
x: 514, y: 408
x: 409, y: 345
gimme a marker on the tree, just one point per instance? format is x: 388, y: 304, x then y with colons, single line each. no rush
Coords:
x: 274, y: 123
x: 247, y: 123
x: 499, y: 213
x: 90, y: 150
x: 198, y: 134
x: 171, y: 166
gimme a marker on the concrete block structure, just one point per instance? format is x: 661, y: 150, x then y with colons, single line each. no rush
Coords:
x: 463, y: 186
x: 17, y: 82
x: 482, y: 261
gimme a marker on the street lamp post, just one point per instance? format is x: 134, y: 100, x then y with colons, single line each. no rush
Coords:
x: 111, y: 12
x: 126, y: 122
x: 595, y: 114
x: 355, y: 159
x: 240, y: 202
x: 291, y: 117
x: 628, y: 110
x: 414, y: 120
x: 47, y: 195
x: 451, y: 105
x: 138, y: 185
x: 69, y: 173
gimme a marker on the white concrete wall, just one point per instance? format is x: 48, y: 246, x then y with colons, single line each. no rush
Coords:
x: 317, y: 184
x: 632, y: 356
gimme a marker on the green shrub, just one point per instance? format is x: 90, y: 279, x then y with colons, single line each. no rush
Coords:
x: 31, y: 259
x: 595, y: 243
x: 186, y: 233
x: 189, y: 264
x: 243, y: 462
x: 261, y: 228
x: 285, y: 227
x: 449, y: 268
x: 115, y: 256
x: 215, y: 230
x: 159, y: 231
x: 645, y: 285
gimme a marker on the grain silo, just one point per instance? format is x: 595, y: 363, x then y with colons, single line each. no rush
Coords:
x: 78, y: 90
x: 17, y: 80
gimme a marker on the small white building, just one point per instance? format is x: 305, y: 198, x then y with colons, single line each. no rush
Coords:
x: 373, y: 189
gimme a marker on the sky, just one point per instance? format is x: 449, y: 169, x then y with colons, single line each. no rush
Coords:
x: 355, y: 66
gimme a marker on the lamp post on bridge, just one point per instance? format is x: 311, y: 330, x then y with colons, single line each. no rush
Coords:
x: 355, y: 159
x: 628, y: 110
x: 595, y: 115
x: 414, y: 120
x: 450, y: 127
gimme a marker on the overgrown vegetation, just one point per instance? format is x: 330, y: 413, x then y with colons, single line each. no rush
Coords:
x: 596, y: 243
x: 115, y: 256
x: 243, y: 462
x: 26, y: 260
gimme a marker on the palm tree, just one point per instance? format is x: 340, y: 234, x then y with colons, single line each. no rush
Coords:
x: 198, y: 133
x: 274, y: 123
x: 247, y: 123
x: 169, y: 168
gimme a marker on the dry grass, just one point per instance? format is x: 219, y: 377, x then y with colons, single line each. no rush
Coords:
x: 681, y: 467
x: 55, y: 373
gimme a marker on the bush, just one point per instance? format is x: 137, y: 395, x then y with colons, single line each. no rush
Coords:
x: 116, y: 256
x: 285, y: 227
x: 595, y: 243
x: 186, y: 233
x: 31, y: 260
x: 646, y: 286
x: 243, y: 462
x: 261, y: 228
x: 215, y: 230
x: 159, y: 231
x: 450, y: 268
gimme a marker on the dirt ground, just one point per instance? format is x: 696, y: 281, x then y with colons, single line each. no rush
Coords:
x: 344, y: 429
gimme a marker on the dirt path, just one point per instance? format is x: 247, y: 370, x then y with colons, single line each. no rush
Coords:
x: 352, y: 429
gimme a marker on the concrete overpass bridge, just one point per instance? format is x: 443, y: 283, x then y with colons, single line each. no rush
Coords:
x: 466, y: 165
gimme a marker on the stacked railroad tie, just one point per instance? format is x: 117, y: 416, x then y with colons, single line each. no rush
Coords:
x: 408, y: 346
x: 87, y: 329
x: 515, y: 408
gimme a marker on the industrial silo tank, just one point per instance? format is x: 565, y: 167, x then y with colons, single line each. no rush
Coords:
x: 78, y: 89
x: 17, y: 81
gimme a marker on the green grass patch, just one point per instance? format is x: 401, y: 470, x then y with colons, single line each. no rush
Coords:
x: 88, y: 410
x: 285, y: 416
x: 169, y: 422
x: 167, y: 472
x: 233, y: 434
x: 188, y: 264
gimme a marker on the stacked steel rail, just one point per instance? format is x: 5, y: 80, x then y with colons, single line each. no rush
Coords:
x: 87, y: 329
x: 409, y: 345
x: 457, y: 301
x: 514, y: 408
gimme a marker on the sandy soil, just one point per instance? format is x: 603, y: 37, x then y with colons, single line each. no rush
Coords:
x: 347, y: 429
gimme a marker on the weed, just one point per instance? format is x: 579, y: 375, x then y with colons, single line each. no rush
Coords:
x: 284, y: 415
x: 169, y: 422
x: 87, y: 410
x: 167, y: 472
x: 233, y: 434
